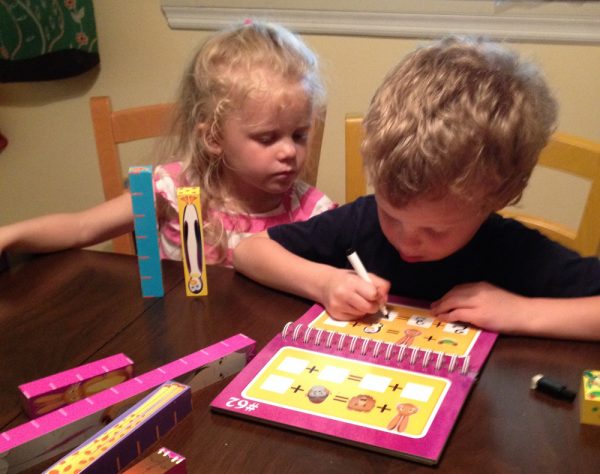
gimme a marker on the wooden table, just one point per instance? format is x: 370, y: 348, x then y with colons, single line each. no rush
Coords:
x: 65, y: 309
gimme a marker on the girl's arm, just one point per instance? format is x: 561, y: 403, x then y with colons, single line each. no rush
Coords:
x: 493, y: 308
x: 61, y: 231
x: 344, y: 294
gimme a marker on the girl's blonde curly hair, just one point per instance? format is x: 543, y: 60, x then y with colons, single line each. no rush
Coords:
x: 221, y: 74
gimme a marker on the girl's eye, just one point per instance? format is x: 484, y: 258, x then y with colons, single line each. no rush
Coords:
x: 301, y: 136
x: 266, y: 139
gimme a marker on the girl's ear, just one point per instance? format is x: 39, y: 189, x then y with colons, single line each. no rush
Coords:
x: 211, y: 141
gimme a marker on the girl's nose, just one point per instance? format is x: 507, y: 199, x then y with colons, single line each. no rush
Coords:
x: 287, y: 149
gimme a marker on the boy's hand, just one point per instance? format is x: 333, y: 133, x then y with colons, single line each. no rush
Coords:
x: 483, y: 305
x: 348, y: 297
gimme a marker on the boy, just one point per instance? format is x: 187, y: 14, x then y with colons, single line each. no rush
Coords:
x: 451, y: 136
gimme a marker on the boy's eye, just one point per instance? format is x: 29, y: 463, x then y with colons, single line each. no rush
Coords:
x: 435, y: 233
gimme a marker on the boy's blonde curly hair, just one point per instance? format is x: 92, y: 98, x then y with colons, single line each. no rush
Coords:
x: 231, y: 65
x: 463, y: 117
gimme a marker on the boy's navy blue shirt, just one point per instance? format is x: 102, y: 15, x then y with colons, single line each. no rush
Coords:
x: 503, y: 252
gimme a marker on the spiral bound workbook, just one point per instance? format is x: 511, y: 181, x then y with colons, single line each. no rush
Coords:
x: 392, y: 384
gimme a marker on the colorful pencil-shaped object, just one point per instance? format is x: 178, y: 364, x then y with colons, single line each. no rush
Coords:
x: 128, y: 436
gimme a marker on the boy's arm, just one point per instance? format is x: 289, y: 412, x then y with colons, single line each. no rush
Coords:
x: 493, y: 308
x: 61, y: 231
x: 344, y: 294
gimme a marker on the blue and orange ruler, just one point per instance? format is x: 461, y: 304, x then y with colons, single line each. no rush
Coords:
x: 146, y: 230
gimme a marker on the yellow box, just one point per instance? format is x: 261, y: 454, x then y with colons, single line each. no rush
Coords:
x: 192, y: 251
x: 589, y: 402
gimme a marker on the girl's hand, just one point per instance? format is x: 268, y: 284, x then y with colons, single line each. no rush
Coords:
x: 483, y: 305
x: 347, y: 297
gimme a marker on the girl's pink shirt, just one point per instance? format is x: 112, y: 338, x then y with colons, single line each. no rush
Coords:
x: 300, y: 203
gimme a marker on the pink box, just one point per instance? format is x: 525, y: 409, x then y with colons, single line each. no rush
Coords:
x: 55, y: 391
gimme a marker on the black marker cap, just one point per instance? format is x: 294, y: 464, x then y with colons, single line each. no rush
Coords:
x: 551, y: 387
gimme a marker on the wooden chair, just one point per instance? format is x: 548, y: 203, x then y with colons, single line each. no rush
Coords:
x: 579, y: 157
x: 565, y: 153
x: 356, y: 182
x: 113, y: 127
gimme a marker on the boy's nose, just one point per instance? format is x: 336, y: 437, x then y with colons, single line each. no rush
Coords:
x: 409, y: 240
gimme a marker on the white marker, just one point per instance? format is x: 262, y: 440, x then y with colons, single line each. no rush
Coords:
x: 361, y: 271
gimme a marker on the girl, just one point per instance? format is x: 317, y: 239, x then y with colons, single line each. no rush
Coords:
x: 240, y: 132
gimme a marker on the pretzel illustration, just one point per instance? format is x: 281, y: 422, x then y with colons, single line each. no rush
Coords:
x: 400, y: 421
x: 409, y: 336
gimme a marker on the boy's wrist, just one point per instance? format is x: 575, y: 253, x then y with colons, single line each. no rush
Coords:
x: 537, y: 316
x: 322, y: 279
x: 528, y: 317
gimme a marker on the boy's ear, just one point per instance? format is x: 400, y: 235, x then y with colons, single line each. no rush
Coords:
x: 211, y: 142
